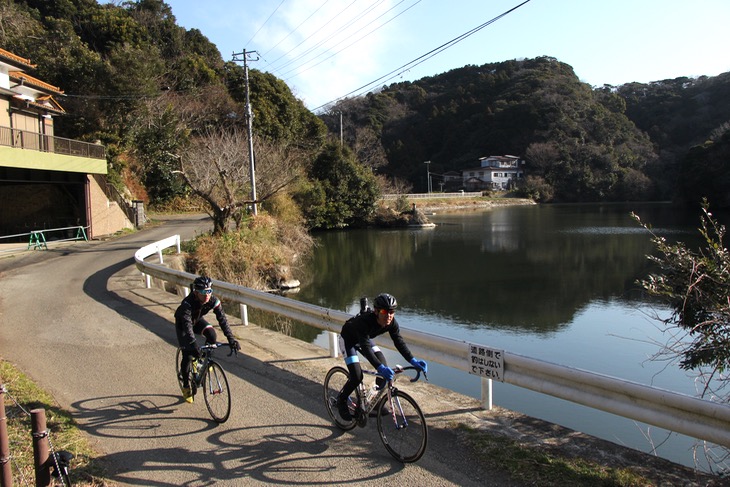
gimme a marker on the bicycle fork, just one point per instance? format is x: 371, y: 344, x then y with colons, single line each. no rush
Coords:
x: 396, y: 412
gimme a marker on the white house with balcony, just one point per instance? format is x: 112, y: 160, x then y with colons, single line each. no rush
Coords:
x: 494, y: 172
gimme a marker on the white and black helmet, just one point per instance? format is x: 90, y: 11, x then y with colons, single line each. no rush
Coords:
x: 385, y: 301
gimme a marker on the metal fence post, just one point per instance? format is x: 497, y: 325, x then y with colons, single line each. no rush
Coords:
x: 6, y: 473
x: 40, y: 447
x: 487, y: 394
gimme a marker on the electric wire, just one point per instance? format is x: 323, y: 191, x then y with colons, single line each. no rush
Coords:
x: 352, y: 43
x: 316, y: 31
x: 402, y: 69
x: 340, y: 30
x: 295, y: 28
x: 265, y: 22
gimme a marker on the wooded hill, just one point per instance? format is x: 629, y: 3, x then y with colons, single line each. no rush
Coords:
x: 581, y: 144
x: 147, y: 87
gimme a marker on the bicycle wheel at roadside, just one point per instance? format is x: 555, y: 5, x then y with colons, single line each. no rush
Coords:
x: 403, y: 429
x: 334, y: 381
x: 216, y: 393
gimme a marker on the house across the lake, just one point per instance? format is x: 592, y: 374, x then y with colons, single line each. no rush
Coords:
x: 494, y: 173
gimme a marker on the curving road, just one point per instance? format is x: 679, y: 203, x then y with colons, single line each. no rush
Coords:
x: 78, y: 320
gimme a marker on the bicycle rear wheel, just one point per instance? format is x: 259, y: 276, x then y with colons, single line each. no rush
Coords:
x: 334, y: 381
x: 216, y: 392
x: 403, y: 431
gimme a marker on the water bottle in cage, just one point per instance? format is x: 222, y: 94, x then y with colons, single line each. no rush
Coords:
x: 372, y: 392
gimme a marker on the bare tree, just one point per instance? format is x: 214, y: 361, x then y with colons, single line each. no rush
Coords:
x: 217, y: 169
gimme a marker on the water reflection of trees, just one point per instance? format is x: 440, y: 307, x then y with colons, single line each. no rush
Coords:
x: 530, y: 269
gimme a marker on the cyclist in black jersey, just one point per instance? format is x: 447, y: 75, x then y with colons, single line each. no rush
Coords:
x: 356, y: 336
x: 189, y: 321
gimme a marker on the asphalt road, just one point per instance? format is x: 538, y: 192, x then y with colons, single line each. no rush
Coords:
x: 78, y: 320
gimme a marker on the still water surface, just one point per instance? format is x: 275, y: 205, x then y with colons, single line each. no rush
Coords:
x: 555, y: 283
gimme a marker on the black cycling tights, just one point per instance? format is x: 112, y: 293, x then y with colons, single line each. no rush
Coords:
x: 356, y: 375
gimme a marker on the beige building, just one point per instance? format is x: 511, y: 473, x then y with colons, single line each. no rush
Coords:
x: 47, y: 182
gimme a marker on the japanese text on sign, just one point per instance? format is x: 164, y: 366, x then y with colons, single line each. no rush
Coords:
x: 486, y: 362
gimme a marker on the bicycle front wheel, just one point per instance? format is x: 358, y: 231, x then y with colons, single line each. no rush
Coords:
x: 216, y: 393
x: 334, y: 381
x: 403, y: 429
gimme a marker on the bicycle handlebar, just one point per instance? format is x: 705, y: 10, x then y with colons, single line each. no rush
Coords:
x: 213, y: 346
x: 399, y: 369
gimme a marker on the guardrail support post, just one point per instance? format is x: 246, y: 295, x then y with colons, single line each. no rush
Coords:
x: 487, y: 394
x: 6, y: 472
x: 334, y: 346
x: 40, y: 447
x: 244, y: 314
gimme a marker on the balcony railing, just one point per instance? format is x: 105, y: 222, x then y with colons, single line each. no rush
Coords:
x: 23, y: 139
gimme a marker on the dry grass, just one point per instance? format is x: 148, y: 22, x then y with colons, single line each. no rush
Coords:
x: 260, y: 255
x: 23, y: 396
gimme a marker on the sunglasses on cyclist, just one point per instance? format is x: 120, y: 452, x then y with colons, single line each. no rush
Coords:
x: 205, y: 291
x: 386, y: 311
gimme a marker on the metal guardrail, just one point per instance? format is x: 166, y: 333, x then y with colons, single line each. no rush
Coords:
x: 24, y: 139
x: 458, y: 194
x: 698, y: 418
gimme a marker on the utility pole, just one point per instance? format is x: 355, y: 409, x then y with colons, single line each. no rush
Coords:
x: 428, y: 175
x: 245, y: 56
x: 341, y: 128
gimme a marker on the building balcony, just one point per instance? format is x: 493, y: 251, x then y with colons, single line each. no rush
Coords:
x: 31, y: 150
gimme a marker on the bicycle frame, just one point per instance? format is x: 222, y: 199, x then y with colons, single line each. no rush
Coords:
x: 367, y: 405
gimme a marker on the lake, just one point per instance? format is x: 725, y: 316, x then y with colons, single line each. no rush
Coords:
x: 551, y: 282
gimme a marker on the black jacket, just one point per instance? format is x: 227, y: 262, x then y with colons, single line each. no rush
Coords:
x: 191, y: 310
x: 358, y: 331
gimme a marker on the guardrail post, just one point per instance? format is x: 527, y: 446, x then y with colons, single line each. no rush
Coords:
x: 334, y: 346
x: 177, y: 243
x: 487, y: 394
x: 244, y: 314
x: 40, y: 447
x: 6, y: 473
x: 159, y: 254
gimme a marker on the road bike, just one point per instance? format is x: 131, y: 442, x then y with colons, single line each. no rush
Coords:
x: 208, y: 375
x: 400, y: 421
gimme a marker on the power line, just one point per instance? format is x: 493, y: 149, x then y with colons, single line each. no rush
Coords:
x: 265, y: 22
x: 316, y: 31
x: 355, y: 41
x: 340, y: 30
x: 295, y: 28
x: 402, y: 69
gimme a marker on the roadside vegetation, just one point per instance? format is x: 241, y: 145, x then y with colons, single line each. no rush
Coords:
x: 695, y: 285
x: 534, y: 465
x: 22, y: 396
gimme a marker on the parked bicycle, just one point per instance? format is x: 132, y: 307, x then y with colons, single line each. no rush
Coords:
x: 208, y: 374
x: 400, y: 422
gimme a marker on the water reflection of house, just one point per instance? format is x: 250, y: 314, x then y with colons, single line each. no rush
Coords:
x: 495, y: 172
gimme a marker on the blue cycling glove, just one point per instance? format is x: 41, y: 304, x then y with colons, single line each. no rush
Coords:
x: 420, y: 365
x: 386, y: 372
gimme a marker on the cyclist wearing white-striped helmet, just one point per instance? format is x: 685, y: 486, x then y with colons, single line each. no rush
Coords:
x: 357, y: 336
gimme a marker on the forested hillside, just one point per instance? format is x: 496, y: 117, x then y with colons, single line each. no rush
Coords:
x: 580, y: 143
x: 154, y: 92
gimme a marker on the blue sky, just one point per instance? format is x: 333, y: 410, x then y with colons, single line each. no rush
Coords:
x: 326, y: 49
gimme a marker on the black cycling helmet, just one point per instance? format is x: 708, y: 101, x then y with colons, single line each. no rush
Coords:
x: 202, y: 282
x: 385, y: 301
